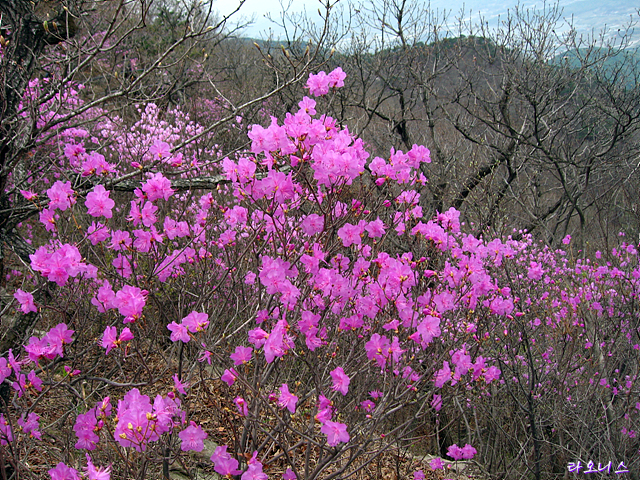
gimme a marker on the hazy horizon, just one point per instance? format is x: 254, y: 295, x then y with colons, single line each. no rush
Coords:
x: 588, y: 16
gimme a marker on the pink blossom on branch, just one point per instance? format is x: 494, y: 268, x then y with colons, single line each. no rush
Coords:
x: 436, y: 464
x: 459, y: 453
x: 224, y: 464
x: 157, y: 186
x: 98, y: 202
x: 25, y: 299
x: 320, y: 83
x: 61, y: 196
x: 196, y: 322
x: 192, y: 438
x: 335, y: 432
x: 241, y: 405
x: 95, y: 473
x: 289, y: 475
x: 377, y: 349
x: 351, y: 234
x: 286, y: 399
x: 340, y: 381
x: 229, y: 376
x: 254, y: 470
x: 179, y: 386
x: 130, y: 301
x: 179, y: 332
x: 241, y: 355
x: 160, y: 150
x: 63, y: 472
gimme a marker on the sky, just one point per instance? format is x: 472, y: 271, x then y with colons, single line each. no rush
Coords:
x: 587, y: 14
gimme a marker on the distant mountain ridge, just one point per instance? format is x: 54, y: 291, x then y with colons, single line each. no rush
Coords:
x: 621, y: 67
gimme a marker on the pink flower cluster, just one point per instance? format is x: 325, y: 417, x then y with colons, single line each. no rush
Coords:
x: 130, y: 301
x: 88, y: 425
x: 50, y: 345
x: 58, y: 264
x: 140, y: 422
x: 320, y: 83
x: 461, y: 453
x: 192, y: 323
x: 286, y: 237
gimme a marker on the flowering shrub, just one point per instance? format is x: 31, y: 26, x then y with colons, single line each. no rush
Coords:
x: 331, y: 317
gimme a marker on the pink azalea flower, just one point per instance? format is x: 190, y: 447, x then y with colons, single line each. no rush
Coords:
x: 455, y: 452
x: 5, y: 370
x: 179, y: 386
x: 109, y: 340
x: 336, y: 78
x: 254, y: 472
x: 160, y: 150
x: 492, y: 373
x: 436, y: 464
x: 436, y: 403
x: 375, y: 229
x: 6, y: 434
x: 443, y: 375
x: 242, y: 355
x: 26, y: 382
x: 274, y: 345
x: 368, y: 405
x: 98, y: 202
x: 468, y: 452
x: 312, y: 224
x: 351, y: 234
x: 229, y: 376
x: 130, y: 301
x: 97, y: 233
x: 94, y: 473
x: 125, y: 335
x: 62, y: 472
x: 192, y: 438
x: 308, y: 105
x: 26, y: 301
x: 59, y: 336
x: 38, y: 349
x: 241, y: 405
x: 179, y: 332
x: 535, y: 271
x: 147, y: 214
x: 286, y: 399
x: 429, y: 329
x: 29, y: 195
x: 318, y: 84
x: 340, y: 381
x: 30, y: 425
x: 324, y: 414
x: 48, y: 219
x: 205, y: 356
x: 224, y: 464
x: 157, y: 187
x: 196, y: 322
x: 289, y: 475
x: 335, y: 432
x: 377, y: 349
x: 61, y: 196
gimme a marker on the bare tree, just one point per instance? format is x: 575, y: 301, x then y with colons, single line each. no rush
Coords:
x: 529, y: 128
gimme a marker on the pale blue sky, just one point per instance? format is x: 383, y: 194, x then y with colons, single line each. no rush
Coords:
x: 587, y: 14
